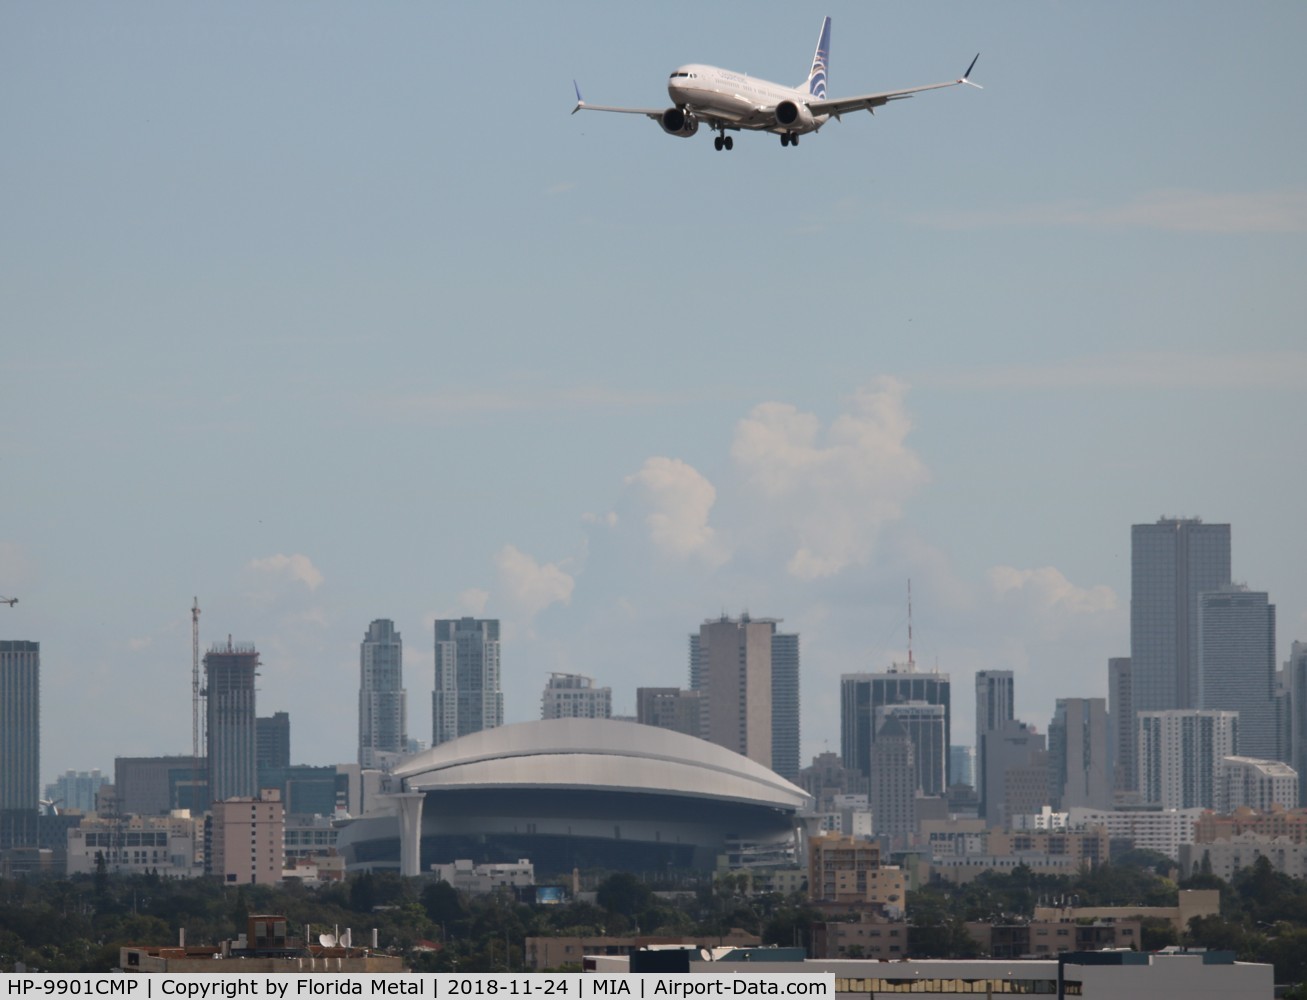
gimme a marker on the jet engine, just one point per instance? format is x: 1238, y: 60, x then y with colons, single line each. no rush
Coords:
x: 794, y: 116
x: 678, y: 121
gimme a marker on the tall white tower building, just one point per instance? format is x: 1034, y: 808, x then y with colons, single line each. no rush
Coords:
x: 467, y: 697
x: 1180, y: 754
x: 383, y: 702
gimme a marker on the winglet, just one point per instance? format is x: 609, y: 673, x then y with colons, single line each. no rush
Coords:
x: 580, y: 103
x: 962, y: 79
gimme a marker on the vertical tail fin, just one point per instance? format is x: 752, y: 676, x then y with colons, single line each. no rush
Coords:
x: 820, y: 62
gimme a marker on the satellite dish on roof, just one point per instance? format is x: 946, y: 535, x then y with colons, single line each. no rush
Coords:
x: 327, y: 940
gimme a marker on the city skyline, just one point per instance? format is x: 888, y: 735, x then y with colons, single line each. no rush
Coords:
x: 973, y: 342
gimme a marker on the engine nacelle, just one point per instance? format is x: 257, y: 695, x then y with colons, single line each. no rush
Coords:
x: 794, y: 116
x: 678, y: 121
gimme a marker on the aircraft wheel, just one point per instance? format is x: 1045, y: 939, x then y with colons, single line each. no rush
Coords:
x: 794, y: 140
x: 730, y: 142
x: 785, y: 138
x: 717, y: 143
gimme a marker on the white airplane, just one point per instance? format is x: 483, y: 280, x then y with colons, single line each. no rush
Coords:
x: 720, y: 99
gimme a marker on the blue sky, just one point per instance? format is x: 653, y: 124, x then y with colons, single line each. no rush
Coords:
x: 330, y: 312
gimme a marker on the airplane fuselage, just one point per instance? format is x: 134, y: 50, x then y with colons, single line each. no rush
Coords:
x: 743, y: 100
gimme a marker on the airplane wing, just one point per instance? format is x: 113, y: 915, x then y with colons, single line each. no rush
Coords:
x: 870, y: 102
x: 654, y: 113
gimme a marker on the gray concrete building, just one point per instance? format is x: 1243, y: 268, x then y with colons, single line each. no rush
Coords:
x: 1236, y: 664
x: 731, y: 664
x: 1171, y: 563
x: 863, y: 694
x: 1121, y: 715
x: 20, y: 724
x: 1180, y: 755
x: 231, y: 729
x: 1077, y: 754
x: 995, y: 705
x: 574, y: 696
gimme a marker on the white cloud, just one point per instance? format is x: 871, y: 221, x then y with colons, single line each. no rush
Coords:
x: 297, y: 568
x: 677, y: 499
x: 1047, y: 588
x: 529, y: 587
x: 827, y: 495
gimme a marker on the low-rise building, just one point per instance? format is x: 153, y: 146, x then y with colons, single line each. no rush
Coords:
x: 869, y: 936
x: 167, y: 845
x: 1040, y: 938
x: 479, y: 879
x: 1229, y: 855
x: 1191, y: 903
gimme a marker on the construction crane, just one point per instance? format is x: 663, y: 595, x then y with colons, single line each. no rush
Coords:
x: 11, y: 601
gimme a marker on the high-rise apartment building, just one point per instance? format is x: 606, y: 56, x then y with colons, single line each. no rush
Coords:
x: 748, y: 675
x: 20, y: 724
x: 1263, y: 785
x: 467, y: 697
x: 229, y: 672
x: 572, y: 696
x: 1077, y: 755
x: 75, y: 791
x: 785, y: 704
x: 1180, y: 754
x: 861, y: 695
x: 1171, y: 563
x: 995, y: 705
x: 1121, y: 714
x: 383, y: 702
x: 1236, y: 657
x: 670, y: 708
x: 272, y: 741
x: 246, y: 839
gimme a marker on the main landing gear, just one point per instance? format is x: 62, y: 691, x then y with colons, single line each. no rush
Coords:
x: 723, y: 141
x: 789, y: 139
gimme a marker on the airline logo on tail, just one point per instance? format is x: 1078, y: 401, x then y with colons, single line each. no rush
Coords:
x: 820, y: 59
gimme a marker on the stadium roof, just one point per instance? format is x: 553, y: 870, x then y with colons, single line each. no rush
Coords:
x: 597, y: 755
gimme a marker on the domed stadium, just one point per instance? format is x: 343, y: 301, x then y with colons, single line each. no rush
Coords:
x: 577, y: 793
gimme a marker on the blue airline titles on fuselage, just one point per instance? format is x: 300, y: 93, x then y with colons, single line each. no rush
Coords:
x: 721, y: 99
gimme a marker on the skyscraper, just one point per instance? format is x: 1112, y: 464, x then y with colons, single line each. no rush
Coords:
x: 1121, y: 714
x: 383, y: 702
x: 731, y: 663
x: 272, y: 741
x: 785, y: 704
x: 862, y: 694
x: 1180, y: 755
x: 1171, y: 563
x: 893, y: 782
x: 229, y: 674
x: 1296, y: 668
x: 572, y: 696
x: 467, y: 697
x: 1236, y: 655
x: 923, y: 724
x: 20, y: 724
x: 1077, y: 755
x: 995, y: 701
